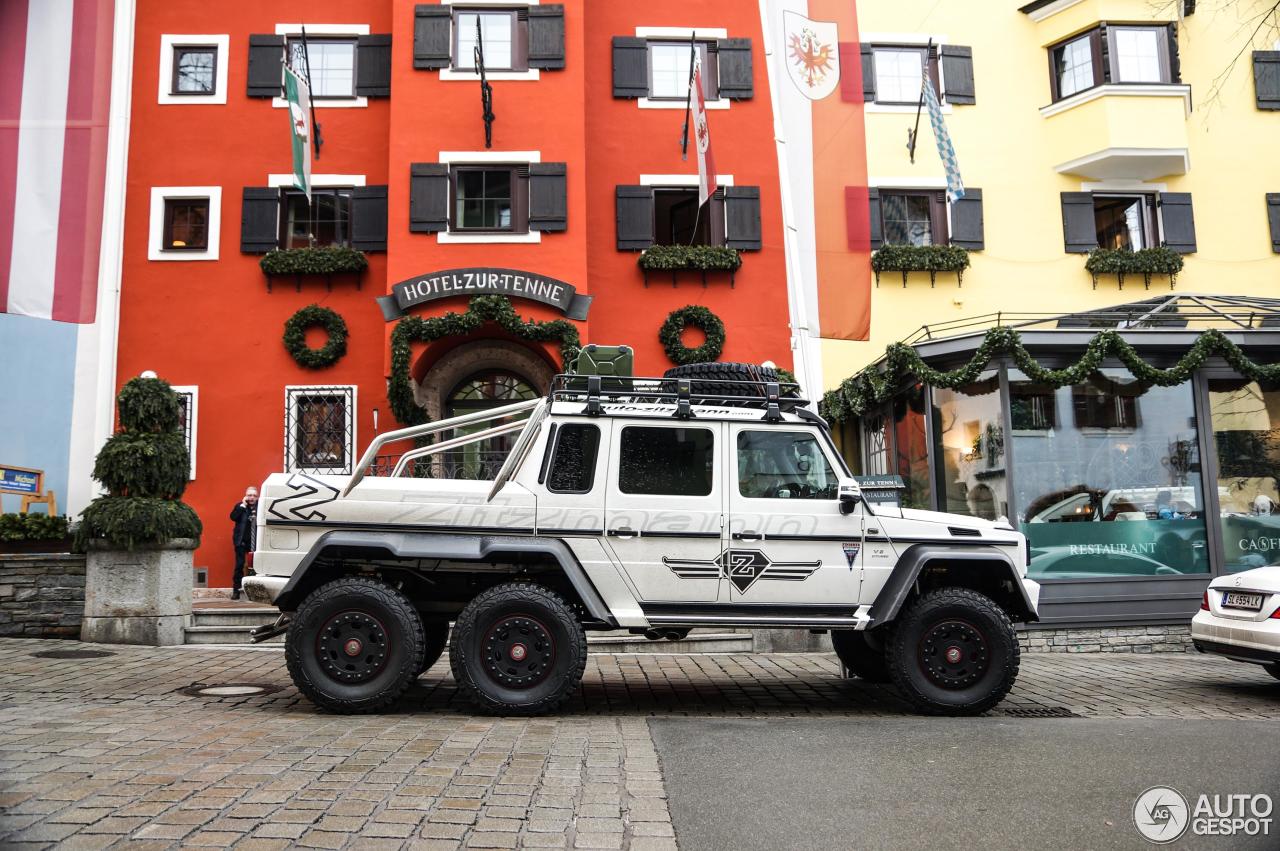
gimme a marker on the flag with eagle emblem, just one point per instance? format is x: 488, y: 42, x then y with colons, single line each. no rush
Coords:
x: 706, y: 162
x: 299, y: 96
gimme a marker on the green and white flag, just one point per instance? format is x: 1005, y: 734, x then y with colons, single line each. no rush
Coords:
x: 299, y: 96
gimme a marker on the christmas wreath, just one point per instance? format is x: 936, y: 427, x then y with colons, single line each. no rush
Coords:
x: 699, y: 317
x: 295, y: 337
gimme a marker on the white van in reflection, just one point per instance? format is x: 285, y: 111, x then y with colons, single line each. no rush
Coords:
x: 1084, y: 504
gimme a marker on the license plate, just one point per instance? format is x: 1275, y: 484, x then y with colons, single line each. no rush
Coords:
x: 1234, y: 600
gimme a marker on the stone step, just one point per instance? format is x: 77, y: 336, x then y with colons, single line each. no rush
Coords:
x: 242, y: 616
x: 613, y: 641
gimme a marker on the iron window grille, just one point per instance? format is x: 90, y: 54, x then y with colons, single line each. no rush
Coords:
x: 320, y: 429
x: 188, y: 403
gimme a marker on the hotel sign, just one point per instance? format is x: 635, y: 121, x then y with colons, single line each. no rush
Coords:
x: 483, y: 281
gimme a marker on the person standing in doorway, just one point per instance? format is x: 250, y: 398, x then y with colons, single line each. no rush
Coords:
x: 244, y: 534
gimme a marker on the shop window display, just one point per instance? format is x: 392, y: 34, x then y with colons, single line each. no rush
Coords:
x: 1246, y: 436
x: 1107, y: 475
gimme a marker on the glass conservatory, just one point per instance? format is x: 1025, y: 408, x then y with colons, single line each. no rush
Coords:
x: 1131, y: 494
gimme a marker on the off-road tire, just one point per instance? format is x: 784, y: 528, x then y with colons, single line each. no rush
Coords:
x: 709, y: 376
x: 483, y: 651
x: 435, y: 638
x: 379, y: 620
x: 933, y: 625
x: 1273, y: 669
x: 857, y: 654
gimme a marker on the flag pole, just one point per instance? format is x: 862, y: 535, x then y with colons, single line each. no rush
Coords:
x: 315, y: 126
x: 688, y: 98
x: 924, y: 81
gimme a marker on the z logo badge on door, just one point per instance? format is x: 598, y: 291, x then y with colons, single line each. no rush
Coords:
x: 742, y: 568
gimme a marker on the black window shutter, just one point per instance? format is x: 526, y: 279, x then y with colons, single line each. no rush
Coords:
x: 369, y: 218
x: 546, y: 36
x: 957, y: 74
x: 966, y: 220
x: 548, y: 195
x: 735, y: 68
x: 1273, y: 219
x: 630, y: 67
x: 1079, y: 228
x: 877, y: 222
x: 1178, y: 222
x: 266, y: 56
x: 635, y: 217
x: 1175, y: 63
x: 373, y: 66
x: 428, y: 197
x: 868, y: 74
x: 431, y: 35
x: 742, y: 217
x: 1266, y: 78
x: 259, y: 219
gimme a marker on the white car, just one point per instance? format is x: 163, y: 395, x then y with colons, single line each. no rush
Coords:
x: 1239, y: 618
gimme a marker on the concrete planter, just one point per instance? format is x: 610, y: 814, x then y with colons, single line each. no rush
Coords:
x: 139, y: 596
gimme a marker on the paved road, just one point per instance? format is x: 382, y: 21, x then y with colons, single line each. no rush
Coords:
x: 774, y: 784
x: 112, y: 752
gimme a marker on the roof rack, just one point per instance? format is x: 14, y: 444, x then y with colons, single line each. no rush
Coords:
x: 684, y: 394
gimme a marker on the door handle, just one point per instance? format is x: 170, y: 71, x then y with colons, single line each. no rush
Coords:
x: 623, y: 532
x: 748, y: 536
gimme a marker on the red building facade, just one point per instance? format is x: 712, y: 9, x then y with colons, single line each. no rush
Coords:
x: 583, y: 172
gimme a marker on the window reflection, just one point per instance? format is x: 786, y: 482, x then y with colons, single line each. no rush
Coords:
x: 970, y: 454
x: 911, y: 453
x: 1115, y: 489
x: 1246, y: 437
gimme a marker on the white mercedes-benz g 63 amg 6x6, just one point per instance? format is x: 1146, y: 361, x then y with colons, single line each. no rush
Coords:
x: 709, y: 497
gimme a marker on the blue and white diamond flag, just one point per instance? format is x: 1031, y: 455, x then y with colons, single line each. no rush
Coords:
x: 946, y: 151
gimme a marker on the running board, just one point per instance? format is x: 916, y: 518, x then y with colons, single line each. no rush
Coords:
x: 858, y: 620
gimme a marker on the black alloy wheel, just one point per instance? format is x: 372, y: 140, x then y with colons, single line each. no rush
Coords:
x: 518, y: 649
x: 354, y: 645
x: 953, y: 651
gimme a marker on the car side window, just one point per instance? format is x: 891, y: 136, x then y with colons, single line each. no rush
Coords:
x: 573, y: 462
x: 783, y: 465
x: 666, y: 461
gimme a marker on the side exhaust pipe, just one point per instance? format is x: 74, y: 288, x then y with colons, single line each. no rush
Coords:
x: 667, y: 633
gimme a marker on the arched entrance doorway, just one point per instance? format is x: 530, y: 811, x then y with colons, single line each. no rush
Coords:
x: 481, y: 392
x: 476, y: 376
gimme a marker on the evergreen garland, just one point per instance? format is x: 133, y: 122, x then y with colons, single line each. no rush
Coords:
x: 481, y: 309
x: 660, y: 257
x: 920, y: 258
x: 295, y: 337
x: 1145, y: 262
x: 322, y: 260
x: 868, y: 388
x: 699, y: 317
x: 145, y: 468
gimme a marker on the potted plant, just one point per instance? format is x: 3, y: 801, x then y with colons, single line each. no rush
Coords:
x: 139, y: 538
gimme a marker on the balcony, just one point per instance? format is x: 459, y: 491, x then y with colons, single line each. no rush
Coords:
x: 1120, y: 131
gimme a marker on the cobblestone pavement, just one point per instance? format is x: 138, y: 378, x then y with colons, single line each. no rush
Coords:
x: 109, y: 750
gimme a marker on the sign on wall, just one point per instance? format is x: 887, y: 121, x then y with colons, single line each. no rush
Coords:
x: 886, y: 490
x: 483, y: 281
x: 20, y: 480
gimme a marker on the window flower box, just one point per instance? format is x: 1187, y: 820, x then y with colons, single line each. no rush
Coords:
x: 328, y: 261
x: 1145, y: 262
x: 920, y: 258
x: 698, y: 258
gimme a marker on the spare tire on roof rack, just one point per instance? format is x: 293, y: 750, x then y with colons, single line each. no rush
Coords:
x: 726, y: 378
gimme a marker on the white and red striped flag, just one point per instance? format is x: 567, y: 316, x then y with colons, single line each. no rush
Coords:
x: 55, y: 83
x: 702, y: 139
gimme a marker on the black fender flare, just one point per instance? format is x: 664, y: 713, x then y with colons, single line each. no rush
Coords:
x: 914, y: 559
x: 423, y: 545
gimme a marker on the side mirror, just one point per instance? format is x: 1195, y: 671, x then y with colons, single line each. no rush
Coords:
x: 850, y: 496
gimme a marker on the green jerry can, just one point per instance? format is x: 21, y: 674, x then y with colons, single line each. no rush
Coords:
x: 615, y: 361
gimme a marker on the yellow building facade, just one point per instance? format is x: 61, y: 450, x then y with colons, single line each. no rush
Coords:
x: 1136, y: 103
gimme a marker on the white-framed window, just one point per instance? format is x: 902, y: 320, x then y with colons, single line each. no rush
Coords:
x: 320, y: 428
x: 185, y: 223
x: 193, y: 69
x: 489, y: 197
x: 678, y: 219
x: 333, y: 54
x: 668, y: 58
x: 189, y: 400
